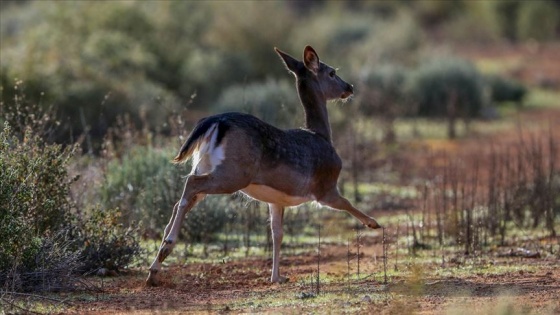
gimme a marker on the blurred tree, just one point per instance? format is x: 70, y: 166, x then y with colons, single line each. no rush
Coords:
x: 447, y: 87
x: 382, y: 94
x: 538, y: 20
x: 246, y: 28
x: 275, y: 102
x: 505, y: 90
x: 507, y: 13
x: 99, y: 60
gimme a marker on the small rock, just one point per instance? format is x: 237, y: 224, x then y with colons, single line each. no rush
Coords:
x: 366, y: 299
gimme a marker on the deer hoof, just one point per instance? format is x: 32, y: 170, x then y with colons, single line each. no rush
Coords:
x: 281, y: 280
x: 152, y: 281
x: 372, y: 224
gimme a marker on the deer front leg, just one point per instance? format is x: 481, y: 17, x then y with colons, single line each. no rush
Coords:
x: 276, y: 226
x: 337, y: 202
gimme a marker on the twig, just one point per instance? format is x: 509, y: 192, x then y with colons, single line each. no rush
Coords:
x: 397, y: 248
x: 384, y: 257
x: 12, y: 304
x: 38, y: 297
x: 358, y: 237
x: 318, y: 259
x: 348, y: 260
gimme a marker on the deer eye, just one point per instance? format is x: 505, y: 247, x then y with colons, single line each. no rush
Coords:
x: 332, y: 73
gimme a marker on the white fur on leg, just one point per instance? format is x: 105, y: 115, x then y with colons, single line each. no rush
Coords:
x: 276, y: 222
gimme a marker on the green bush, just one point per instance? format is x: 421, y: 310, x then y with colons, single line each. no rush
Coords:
x: 44, y: 240
x: 437, y: 83
x: 34, y: 181
x: 34, y: 208
x: 104, y: 242
x: 538, y: 20
x: 505, y: 90
x: 208, y: 218
x: 275, y: 102
x: 382, y: 91
x: 144, y: 185
x: 447, y: 87
x: 525, y: 20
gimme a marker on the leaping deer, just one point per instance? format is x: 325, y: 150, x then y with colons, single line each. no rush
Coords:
x: 239, y: 152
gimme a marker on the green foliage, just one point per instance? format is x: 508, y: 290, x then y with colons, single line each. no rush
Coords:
x: 34, y: 181
x: 383, y: 90
x: 538, y: 20
x: 272, y: 101
x: 524, y: 20
x: 438, y: 84
x: 34, y: 205
x: 104, y: 242
x: 219, y: 68
x: 208, y: 218
x: 38, y: 225
x: 233, y: 30
x: 144, y: 184
x: 506, y: 90
x: 98, y: 60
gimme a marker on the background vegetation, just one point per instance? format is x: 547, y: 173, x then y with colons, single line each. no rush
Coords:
x: 96, y: 97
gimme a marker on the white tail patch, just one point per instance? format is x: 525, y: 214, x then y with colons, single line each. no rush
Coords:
x: 207, y: 155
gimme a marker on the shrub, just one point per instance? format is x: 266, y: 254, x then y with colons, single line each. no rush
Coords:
x: 382, y: 94
x: 383, y: 90
x: 103, y: 242
x: 34, y: 181
x: 49, y: 265
x: 447, y: 87
x: 34, y: 208
x: 44, y: 241
x: 504, y: 90
x: 523, y: 20
x: 207, y: 218
x: 144, y: 184
x: 275, y: 102
x: 436, y: 82
x: 538, y: 20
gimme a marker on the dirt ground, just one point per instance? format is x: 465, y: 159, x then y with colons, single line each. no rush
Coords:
x: 512, y: 284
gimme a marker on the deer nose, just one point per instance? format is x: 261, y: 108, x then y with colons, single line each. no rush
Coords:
x: 350, y: 88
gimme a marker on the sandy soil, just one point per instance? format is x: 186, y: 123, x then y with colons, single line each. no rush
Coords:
x: 533, y: 286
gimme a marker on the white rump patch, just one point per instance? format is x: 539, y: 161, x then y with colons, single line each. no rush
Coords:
x: 207, y: 156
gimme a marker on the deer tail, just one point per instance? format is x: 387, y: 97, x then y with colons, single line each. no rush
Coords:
x: 202, y: 132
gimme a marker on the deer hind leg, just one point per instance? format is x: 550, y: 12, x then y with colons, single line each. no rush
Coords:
x: 188, y: 200
x: 337, y: 202
x: 196, y: 188
x: 276, y: 225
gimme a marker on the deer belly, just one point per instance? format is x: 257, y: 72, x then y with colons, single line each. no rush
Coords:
x: 271, y: 195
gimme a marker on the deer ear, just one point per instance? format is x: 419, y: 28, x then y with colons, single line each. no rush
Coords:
x: 290, y: 62
x: 310, y: 59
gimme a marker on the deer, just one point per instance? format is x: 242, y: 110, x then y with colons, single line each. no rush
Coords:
x: 237, y: 152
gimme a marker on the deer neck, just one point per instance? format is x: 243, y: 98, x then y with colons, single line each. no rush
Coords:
x: 315, y: 108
